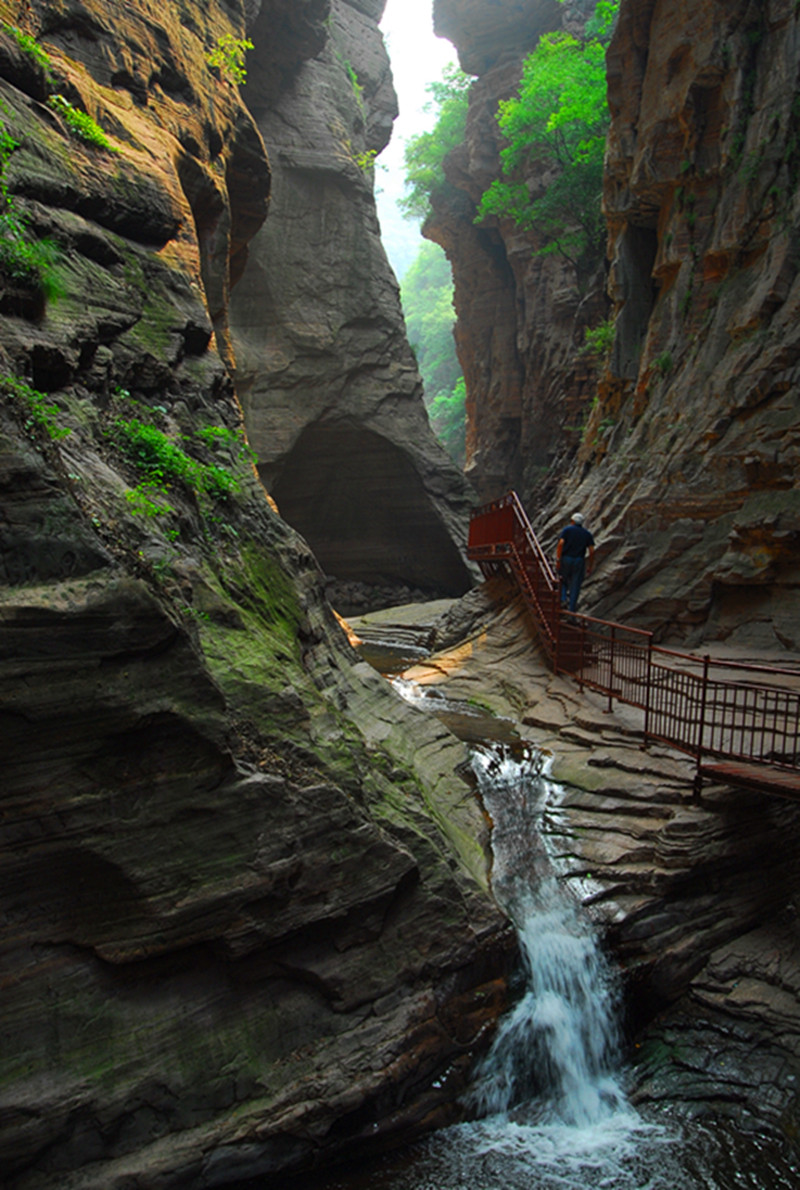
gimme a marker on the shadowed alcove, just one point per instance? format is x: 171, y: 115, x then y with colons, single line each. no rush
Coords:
x: 361, y: 505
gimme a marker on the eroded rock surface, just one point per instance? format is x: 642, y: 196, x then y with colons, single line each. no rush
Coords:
x: 700, y: 403
x: 683, y: 450
x: 521, y: 316
x: 244, y: 919
x: 697, y: 902
x: 330, y: 388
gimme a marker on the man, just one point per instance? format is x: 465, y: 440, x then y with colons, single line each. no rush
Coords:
x: 573, y: 543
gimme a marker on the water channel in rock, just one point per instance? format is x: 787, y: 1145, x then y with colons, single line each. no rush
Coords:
x: 551, y: 1105
x: 552, y: 1095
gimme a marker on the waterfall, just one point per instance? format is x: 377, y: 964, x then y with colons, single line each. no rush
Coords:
x: 550, y: 1109
x: 560, y: 1044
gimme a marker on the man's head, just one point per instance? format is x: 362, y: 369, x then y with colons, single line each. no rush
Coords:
x: 577, y: 518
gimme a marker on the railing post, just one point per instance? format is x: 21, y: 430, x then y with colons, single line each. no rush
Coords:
x: 557, y: 641
x: 698, y: 780
x: 647, y: 689
x: 611, y: 669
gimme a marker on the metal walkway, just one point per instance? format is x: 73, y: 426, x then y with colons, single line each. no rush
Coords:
x: 741, y: 723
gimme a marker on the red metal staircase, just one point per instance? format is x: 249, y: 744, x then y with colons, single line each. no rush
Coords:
x: 741, y: 723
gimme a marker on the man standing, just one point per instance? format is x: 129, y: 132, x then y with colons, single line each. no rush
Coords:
x: 571, y: 559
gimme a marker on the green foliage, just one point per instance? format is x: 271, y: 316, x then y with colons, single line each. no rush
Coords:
x: 358, y: 90
x: 142, y: 502
x: 234, y: 439
x: 39, y: 412
x: 163, y: 462
x: 366, y: 160
x: 599, y: 340
x: 425, y: 153
x: 217, y: 482
x: 81, y: 124
x: 557, y: 123
x: 228, y: 56
x: 29, y: 45
x: 23, y: 260
x: 427, y: 296
x: 448, y: 418
x: 663, y: 363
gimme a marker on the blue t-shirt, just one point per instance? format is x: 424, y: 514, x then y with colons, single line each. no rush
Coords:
x: 576, y: 541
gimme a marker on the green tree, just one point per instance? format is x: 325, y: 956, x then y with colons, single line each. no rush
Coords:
x: 557, y: 124
x: 425, y: 153
x: 448, y: 418
x: 427, y: 295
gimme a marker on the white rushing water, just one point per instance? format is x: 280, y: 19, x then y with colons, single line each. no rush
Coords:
x: 561, y: 1041
x: 550, y: 1092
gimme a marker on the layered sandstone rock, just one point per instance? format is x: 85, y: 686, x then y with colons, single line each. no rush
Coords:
x: 696, y: 901
x: 330, y: 388
x: 684, y: 452
x: 693, y: 480
x: 243, y: 923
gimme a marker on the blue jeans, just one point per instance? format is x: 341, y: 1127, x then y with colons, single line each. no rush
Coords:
x: 572, y: 572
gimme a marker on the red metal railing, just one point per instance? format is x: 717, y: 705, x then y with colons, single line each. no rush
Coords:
x: 501, y: 538
x: 712, y: 710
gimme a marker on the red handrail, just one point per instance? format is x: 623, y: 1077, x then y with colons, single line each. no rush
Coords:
x: 689, y: 703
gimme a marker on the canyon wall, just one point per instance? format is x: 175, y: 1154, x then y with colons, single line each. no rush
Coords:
x: 331, y: 393
x: 682, y: 450
x: 521, y: 316
x: 244, y: 919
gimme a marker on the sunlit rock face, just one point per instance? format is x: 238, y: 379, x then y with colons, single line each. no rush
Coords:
x: 330, y: 388
x: 686, y: 464
x: 243, y: 924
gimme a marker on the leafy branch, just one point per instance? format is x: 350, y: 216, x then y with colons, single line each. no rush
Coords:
x: 425, y: 153
x: 228, y: 56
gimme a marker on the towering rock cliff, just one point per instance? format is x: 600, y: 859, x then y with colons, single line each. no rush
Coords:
x: 521, y: 316
x: 243, y: 923
x: 683, y: 452
x: 331, y: 392
x: 701, y: 199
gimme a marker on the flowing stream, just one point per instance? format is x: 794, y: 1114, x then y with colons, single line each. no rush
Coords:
x: 550, y: 1096
x: 549, y: 1100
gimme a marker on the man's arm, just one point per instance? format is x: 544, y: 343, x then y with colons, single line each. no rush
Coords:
x: 559, y: 548
x: 590, y: 566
